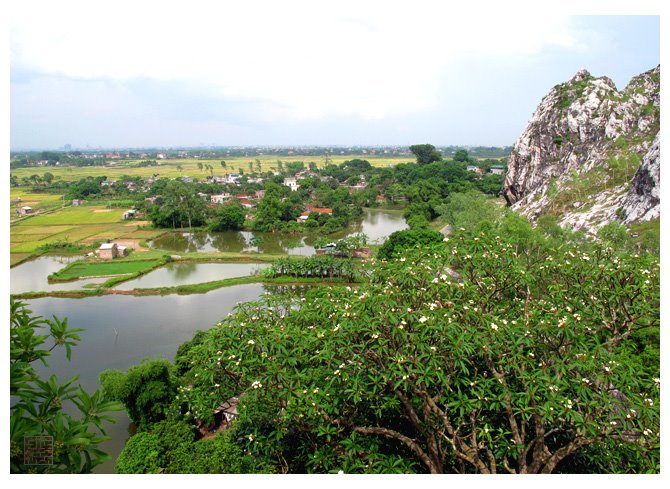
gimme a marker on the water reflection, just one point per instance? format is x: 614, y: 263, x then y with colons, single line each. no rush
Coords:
x: 377, y: 225
x: 121, y: 330
x: 31, y: 276
x: 174, y: 274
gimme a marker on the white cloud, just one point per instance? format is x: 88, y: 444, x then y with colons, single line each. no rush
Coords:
x: 304, y: 59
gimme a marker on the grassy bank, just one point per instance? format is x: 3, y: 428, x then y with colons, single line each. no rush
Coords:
x: 84, y: 269
x: 201, y: 288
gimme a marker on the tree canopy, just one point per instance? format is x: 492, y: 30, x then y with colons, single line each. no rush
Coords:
x: 425, y: 153
x: 515, y: 365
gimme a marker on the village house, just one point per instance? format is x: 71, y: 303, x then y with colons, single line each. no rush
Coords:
x: 291, y: 183
x: 246, y: 203
x: 357, y: 187
x: 319, y: 210
x: 497, y: 169
x: 233, y: 178
x: 220, y: 198
x: 77, y: 202
x: 130, y: 214
x: 109, y: 251
x: 26, y: 210
x: 217, y: 179
x: 476, y: 169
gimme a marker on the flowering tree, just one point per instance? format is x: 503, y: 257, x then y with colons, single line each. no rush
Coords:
x: 513, y: 367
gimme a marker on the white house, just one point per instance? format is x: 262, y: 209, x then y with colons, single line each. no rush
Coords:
x: 219, y: 199
x: 292, y: 183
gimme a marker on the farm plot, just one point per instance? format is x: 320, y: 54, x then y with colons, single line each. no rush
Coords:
x: 81, y: 269
x: 73, y: 224
x: 79, y: 215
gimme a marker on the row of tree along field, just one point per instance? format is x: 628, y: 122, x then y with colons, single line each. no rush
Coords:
x: 179, y: 203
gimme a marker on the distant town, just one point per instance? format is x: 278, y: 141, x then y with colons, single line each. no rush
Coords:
x: 100, y: 156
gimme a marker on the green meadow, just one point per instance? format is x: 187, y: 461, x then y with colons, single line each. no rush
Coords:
x: 81, y: 269
x: 189, y: 166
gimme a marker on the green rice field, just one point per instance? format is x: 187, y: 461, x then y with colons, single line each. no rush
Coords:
x: 189, y: 166
x: 81, y: 269
x: 83, y: 224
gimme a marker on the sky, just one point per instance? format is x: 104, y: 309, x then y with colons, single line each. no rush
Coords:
x: 162, y: 74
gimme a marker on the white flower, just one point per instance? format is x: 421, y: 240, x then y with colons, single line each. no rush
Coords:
x: 433, y: 348
x: 256, y: 384
x: 402, y: 259
x: 251, y: 342
x: 423, y: 319
x: 252, y: 437
x: 648, y: 402
x: 494, y: 326
x: 647, y: 432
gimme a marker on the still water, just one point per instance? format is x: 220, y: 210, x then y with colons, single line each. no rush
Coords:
x: 32, y: 276
x: 121, y: 330
x: 377, y: 225
x: 174, y: 274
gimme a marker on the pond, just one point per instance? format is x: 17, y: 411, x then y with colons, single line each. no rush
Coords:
x: 174, y: 274
x: 31, y: 276
x: 121, y: 330
x: 377, y: 225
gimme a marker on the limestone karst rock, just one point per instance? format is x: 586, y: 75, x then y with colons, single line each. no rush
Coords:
x: 582, y: 147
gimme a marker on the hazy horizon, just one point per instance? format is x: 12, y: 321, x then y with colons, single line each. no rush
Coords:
x: 126, y: 76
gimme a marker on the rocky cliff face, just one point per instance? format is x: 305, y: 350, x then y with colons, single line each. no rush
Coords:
x: 643, y: 201
x: 583, y: 146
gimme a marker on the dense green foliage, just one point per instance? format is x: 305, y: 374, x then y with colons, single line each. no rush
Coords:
x: 535, y: 360
x: 228, y: 218
x: 146, y: 390
x: 45, y: 407
x: 179, y: 207
x: 171, y: 447
x: 426, y: 153
x: 141, y: 455
x: 315, y: 266
x: 400, y: 241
